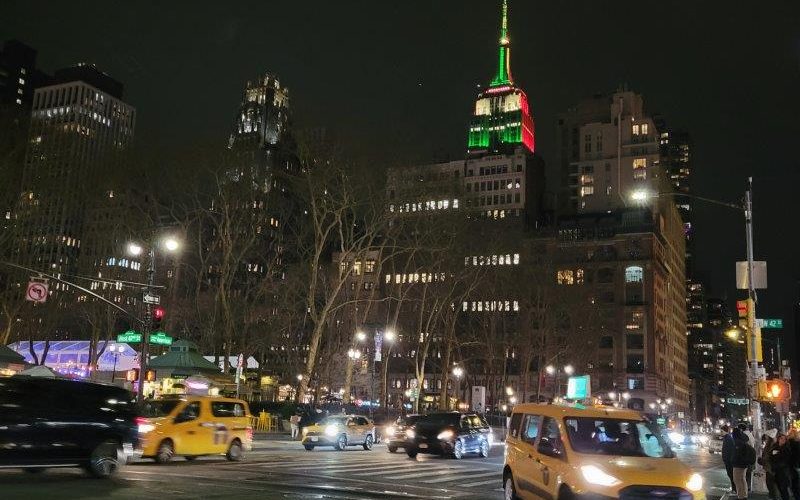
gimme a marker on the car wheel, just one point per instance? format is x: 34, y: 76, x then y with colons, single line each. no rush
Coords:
x: 509, y: 490
x: 565, y: 494
x: 341, y: 443
x: 483, y: 451
x: 308, y: 447
x: 458, y: 450
x: 392, y: 449
x: 412, y: 453
x: 104, y: 460
x: 166, y: 450
x: 368, y: 442
x: 235, y: 452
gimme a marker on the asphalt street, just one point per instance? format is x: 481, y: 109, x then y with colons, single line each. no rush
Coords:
x: 284, y: 470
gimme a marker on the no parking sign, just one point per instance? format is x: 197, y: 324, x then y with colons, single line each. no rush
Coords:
x: 37, y: 292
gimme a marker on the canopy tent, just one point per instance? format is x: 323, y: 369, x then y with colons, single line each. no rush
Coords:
x: 38, y: 371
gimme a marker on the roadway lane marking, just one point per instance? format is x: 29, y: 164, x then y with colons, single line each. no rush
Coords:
x: 481, y: 483
x: 431, y: 472
x: 471, y: 476
x: 385, y: 468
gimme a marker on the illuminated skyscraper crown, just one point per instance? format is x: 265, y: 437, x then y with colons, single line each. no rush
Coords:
x: 502, y: 117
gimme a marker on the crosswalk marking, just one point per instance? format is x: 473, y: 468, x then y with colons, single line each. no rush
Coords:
x: 386, y: 468
x: 429, y: 472
x: 469, y: 476
x: 481, y: 483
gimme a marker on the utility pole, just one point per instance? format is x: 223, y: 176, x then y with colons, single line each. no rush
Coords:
x: 148, y: 322
x: 753, y: 374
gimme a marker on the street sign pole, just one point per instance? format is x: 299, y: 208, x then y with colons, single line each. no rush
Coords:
x: 148, y: 322
x: 754, y: 339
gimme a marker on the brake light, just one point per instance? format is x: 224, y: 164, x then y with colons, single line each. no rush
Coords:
x: 143, y: 425
x: 250, y: 433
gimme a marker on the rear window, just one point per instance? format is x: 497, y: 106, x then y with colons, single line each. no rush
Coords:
x: 227, y: 409
x: 159, y: 408
x: 436, y: 419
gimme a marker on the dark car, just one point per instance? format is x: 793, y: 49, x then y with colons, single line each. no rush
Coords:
x: 65, y: 423
x: 452, y: 434
x: 395, y: 433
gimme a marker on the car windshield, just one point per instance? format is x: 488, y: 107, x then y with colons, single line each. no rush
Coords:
x: 159, y: 408
x: 409, y: 420
x: 612, y: 436
x: 439, y: 419
x: 334, y: 421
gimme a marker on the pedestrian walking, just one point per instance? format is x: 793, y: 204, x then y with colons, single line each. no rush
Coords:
x: 294, y: 420
x: 794, y: 445
x: 748, y: 431
x: 782, y: 463
x: 728, y: 446
x: 744, y: 456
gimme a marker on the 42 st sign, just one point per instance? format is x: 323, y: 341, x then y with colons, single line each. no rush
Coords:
x: 132, y: 337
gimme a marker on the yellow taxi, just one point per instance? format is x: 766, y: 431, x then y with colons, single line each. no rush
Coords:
x: 568, y: 452
x: 340, y: 431
x: 193, y: 426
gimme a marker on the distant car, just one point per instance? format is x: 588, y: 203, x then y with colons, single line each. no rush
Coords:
x: 715, y: 444
x: 340, y: 431
x: 395, y: 434
x: 451, y: 434
x: 66, y: 423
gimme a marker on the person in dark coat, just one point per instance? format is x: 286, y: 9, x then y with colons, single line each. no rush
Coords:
x: 744, y: 457
x: 768, y: 439
x: 727, y: 453
x: 781, y: 460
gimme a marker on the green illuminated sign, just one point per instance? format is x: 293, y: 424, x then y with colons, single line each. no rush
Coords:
x: 129, y: 337
x: 160, y: 338
x: 579, y: 387
x: 771, y: 323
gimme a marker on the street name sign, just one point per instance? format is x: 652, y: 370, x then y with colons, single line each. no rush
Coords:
x: 129, y: 337
x: 770, y: 323
x: 151, y: 299
x: 160, y: 338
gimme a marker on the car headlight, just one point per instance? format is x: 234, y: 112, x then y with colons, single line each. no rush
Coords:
x: 390, y: 430
x: 331, y: 430
x: 410, y: 434
x: 595, y: 475
x: 445, y: 435
x: 695, y: 483
x: 305, y: 430
x: 490, y: 438
x: 145, y: 428
x: 676, y: 437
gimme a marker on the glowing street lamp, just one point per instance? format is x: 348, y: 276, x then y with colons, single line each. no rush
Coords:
x: 569, y: 370
x: 299, y: 377
x: 171, y: 244
x: 361, y: 336
x: 458, y: 372
x: 135, y: 249
x: 550, y: 369
x: 389, y: 336
x: 509, y: 391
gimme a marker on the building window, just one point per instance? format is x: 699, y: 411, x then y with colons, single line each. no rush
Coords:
x: 634, y: 274
x: 644, y: 129
x: 587, y: 143
x: 369, y: 285
x: 635, y: 383
x: 565, y: 277
x: 635, y: 363
x: 634, y: 341
x: 640, y: 168
x: 635, y: 130
x: 587, y: 190
x: 579, y: 276
x: 357, y: 268
x: 369, y: 266
x: 606, y: 342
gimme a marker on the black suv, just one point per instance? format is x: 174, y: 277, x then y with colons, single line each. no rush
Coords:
x: 396, y: 432
x: 65, y: 423
x: 451, y: 434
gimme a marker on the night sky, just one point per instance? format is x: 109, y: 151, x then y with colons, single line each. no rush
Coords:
x: 396, y: 82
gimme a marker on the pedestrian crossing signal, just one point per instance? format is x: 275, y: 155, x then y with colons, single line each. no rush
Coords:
x: 775, y: 391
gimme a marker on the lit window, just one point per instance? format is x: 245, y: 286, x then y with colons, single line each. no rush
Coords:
x: 579, y: 276
x: 565, y: 277
x: 357, y: 268
x: 19, y: 101
x: 634, y: 274
x: 587, y: 190
x: 644, y: 129
x: 636, y: 130
x: 369, y: 266
x: 22, y: 81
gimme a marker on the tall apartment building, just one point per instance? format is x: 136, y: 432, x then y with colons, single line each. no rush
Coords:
x: 19, y: 76
x: 79, y: 131
x: 607, y: 149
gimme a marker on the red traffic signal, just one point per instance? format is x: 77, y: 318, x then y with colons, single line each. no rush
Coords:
x: 158, y: 316
x: 774, y: 390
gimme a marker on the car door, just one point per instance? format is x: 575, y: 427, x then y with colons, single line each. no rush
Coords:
x: 526, y: 469
x: 187, y: 429
x: 550, y: 458
x: 352, y: 430
x: 366, y: 428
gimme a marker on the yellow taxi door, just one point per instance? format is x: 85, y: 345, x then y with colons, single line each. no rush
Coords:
x: 523, y: 457
x: 186, y: 429
x: 550, y: 458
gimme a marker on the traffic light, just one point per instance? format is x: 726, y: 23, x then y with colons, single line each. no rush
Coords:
x: 158, y: 316
x: 775, y: 391
x: 132, y: 375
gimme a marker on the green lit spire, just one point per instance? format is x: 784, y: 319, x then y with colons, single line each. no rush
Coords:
x: 503, y: 75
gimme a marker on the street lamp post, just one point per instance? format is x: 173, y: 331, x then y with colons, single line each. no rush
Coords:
x: 117, y: 350
x: 753, y: 371
x: 171, y: 245
x: 458, y: 372
x: 389, y: 337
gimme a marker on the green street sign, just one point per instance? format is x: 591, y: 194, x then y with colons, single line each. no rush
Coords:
x: 129, y: 337
x: 661, y: 420
x: 771, y: 323
x: 160, y: 338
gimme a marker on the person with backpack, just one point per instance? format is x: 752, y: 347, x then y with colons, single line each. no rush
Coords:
x: 744, y: 456
x: 727, y: 454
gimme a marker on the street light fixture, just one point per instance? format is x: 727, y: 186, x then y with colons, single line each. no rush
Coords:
x: 389, y: 336
x: 550, y: 369
x: 299, y: 377
x: 569, y: 370
x: 361, y: 336
x: 171, y: 244
x: 135, y: 249
x: 458, y: 372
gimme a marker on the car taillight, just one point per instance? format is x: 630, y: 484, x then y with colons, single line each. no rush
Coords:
x: 250, y: 433
x: 143, y: 425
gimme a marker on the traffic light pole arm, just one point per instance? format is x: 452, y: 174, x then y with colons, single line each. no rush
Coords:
x: 712, y: 201
x: 50, y: 276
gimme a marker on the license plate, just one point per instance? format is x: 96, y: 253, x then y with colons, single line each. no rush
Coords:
x: 423, y: 446
x: 313, y: 439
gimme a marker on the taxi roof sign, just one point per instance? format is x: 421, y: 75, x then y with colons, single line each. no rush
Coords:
x: 579, y: 387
